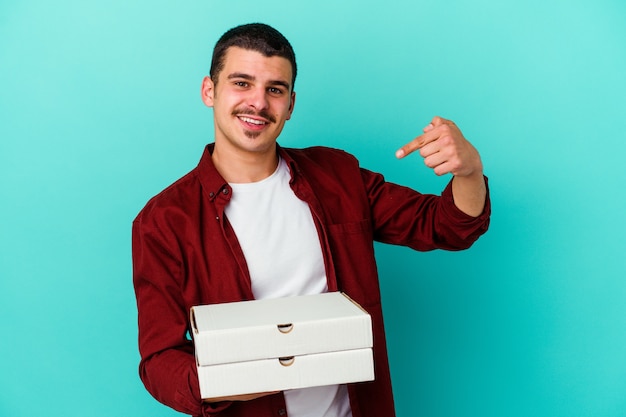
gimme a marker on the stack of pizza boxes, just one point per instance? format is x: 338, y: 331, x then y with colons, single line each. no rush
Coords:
x: 280, y: 344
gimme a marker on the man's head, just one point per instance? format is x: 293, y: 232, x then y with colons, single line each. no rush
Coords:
x: 250, y: 90
x: 256, y: 37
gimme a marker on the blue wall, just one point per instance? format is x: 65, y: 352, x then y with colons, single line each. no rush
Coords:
x: 100, y: 110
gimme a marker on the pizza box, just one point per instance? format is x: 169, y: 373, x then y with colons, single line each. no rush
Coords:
x: 293, y: 372
x: 281, y: 343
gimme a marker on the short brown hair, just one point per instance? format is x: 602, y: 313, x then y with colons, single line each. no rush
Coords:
x: 256, y: 37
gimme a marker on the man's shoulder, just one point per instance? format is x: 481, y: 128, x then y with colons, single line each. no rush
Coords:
x: 320, y: 155
x: 313, y: 151
x: 176, y: 194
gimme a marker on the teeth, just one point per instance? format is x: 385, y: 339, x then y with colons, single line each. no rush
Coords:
x: 253, y: 121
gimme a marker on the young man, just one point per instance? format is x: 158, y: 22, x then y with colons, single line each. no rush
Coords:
x: 255, y: 220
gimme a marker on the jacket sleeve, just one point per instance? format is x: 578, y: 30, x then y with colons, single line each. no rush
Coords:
x: 167, y: 367
x: 403, y: 216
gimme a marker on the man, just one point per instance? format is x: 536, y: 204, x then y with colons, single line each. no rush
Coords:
x: 255, y: 220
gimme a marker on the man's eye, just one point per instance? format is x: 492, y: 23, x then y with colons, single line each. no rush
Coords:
x: 275, y: 90
x: 241, y: 83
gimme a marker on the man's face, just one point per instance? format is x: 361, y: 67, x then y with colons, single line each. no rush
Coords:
x: 251, y: 99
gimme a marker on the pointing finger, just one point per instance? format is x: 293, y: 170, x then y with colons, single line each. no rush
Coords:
x: 410, y: 147
x: 416, y: 144
x: 431, y: 133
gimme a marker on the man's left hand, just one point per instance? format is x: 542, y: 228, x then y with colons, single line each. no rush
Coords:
x: 445, y: 149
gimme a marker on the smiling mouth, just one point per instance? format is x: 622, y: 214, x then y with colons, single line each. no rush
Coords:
x: 252, y: 121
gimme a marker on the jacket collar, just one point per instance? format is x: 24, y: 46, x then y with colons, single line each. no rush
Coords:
x: 214, y: 184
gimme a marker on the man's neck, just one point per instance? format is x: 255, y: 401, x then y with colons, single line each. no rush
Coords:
x: 244, y: 167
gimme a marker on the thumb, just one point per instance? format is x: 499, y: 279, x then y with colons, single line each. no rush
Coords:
x: 438, y: 121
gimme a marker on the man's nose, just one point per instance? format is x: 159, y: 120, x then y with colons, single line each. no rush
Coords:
x: 258, y: 98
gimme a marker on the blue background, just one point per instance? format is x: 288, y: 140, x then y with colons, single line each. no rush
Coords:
x: 100, y: 110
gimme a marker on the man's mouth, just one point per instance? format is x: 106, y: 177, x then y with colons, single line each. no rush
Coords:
x: 252, y: 121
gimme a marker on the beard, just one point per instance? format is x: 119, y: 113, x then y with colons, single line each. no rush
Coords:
x: 251, y: 135
x: 247, y: 111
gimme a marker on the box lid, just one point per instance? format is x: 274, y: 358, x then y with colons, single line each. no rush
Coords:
x: 272, y: 328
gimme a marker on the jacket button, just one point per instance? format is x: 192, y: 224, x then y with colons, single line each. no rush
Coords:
x: 282, y: 412
x: 225, y: 191
x: 211, y: 194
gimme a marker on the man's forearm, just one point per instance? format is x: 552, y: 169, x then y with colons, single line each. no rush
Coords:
x: 469, y: 193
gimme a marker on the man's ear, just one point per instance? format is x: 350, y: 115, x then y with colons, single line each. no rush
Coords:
x: 292, y: 104
x: 207, y: 91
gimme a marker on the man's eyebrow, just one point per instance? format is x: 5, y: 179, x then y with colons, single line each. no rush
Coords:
x: 240, y: 75
x: 244, y: 76
x: 281, y: 83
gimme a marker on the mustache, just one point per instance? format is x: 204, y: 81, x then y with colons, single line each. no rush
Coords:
x: 247, y: 111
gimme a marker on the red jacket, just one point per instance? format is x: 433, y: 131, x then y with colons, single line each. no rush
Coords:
x: 185, y: 253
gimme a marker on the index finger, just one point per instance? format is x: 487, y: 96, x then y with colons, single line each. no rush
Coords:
x: 416, y: 144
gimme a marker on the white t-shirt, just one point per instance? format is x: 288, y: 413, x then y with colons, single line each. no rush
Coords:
x: 282, y: 249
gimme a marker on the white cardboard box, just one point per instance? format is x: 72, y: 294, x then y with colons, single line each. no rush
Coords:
x: 282, y: 343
